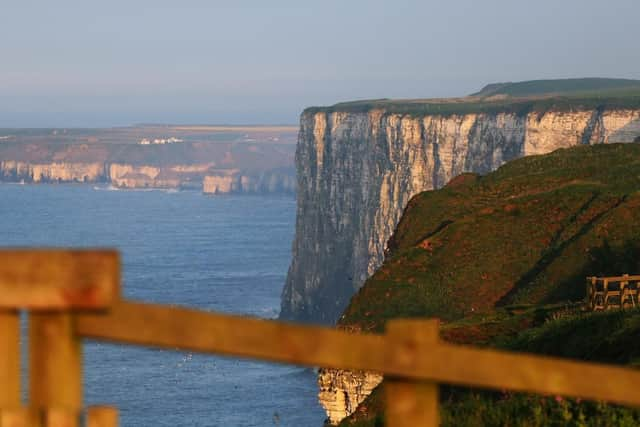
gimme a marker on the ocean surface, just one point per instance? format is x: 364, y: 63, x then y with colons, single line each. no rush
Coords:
x: 228, y: 254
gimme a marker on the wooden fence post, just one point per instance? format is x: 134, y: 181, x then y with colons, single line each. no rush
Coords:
x: 55, y: 379
x: 102, y: 416
x: 410, y: 403
x: 19, y: 417
x: 60, y: 417
x: 9, y: 359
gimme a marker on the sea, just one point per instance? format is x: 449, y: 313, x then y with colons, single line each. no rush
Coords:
x: 227, y: 253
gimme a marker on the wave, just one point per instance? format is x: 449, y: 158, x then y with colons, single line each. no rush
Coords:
x: 105, y: 188
x: 114, y: 188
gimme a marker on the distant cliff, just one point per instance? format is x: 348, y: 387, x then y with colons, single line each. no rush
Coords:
x: 257, y: 163
x: 201, y: 177
x: 36, y: 172
x: 359, y: 164
x: 227, y: 181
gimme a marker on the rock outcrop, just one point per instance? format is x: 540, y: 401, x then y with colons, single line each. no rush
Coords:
x: 342, y: 391
x: 125, y: 175
x: 12, y: 170
x: 226, y: 181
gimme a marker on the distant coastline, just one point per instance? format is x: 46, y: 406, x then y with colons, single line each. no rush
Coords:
x: 211, y: 159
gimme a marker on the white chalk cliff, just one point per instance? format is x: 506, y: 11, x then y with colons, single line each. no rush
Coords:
x: 358, y: 170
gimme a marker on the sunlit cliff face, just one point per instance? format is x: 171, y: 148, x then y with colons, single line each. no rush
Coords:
x: 356, y: 174
x: 357, y: 171
x: 53, y: 172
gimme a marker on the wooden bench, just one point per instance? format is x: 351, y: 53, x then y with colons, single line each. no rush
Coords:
x: 617, y: 292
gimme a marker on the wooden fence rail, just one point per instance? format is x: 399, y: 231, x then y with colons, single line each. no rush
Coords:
x: 96, y: 416
x: 85, y: 303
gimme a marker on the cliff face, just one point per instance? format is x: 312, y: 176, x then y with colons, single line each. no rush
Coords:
x: 145, y: 176
x: 203, y: 177
x: 262, y: 156
x: 235, y: 181
x: 130, y: 176
x: 11, y: 170
x: 358, y: 170
x: 342, y: 391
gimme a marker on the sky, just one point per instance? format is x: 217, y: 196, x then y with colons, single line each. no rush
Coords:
x: 92, y: 63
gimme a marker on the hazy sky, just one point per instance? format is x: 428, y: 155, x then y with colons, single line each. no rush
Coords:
x: 117, y: 62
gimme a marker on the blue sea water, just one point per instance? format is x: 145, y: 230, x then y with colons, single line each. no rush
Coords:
x: 227, y: 254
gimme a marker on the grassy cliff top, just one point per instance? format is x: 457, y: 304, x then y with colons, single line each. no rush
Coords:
x: 519, y: 97
x: 528, y: 233
x: 558, y: 87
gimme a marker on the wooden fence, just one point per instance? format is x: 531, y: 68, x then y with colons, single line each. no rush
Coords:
x: 73, y: 295
x: 604, y: 293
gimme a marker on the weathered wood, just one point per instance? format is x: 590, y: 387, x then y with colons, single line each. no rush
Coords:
x: 622, y: 278
x: 601, y: 290
x: 630, y: 295
x: 593, y: 295
x: 410, y: 355
x: 54, y: 362
x: 102, y: 416
x: 178, y: 328
x: 454, y: 364
x: 410, y: 403
x: 58, y: 279
x: 19, y: 417
x: 9, y: 359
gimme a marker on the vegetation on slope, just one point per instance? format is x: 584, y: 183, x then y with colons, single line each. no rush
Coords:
x: 603, y: 337
x: 558, y: 86
x: 528, y: 233
x: 520, y: 98
x: 502, y: 260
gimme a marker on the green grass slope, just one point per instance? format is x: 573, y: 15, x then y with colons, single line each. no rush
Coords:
x: 502, y: 259
x: 527, y: 233
x: 609, y: 337
x: 558, y: 87
x: 520, y: 98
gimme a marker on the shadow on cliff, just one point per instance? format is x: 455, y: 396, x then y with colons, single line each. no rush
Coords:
x: 566, y: 289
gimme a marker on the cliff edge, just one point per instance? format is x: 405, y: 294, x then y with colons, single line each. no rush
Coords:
x: 359, y: 163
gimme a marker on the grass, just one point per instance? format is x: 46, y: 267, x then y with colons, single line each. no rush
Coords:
x: 518, y: 98
x: 528, y: 233
x: 522, y: 410
x: 558, y: 86
x: 604, y: 337
x: 501, y: 259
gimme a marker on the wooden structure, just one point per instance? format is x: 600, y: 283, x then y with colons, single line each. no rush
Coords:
x: 605, y: 293
x: 71, y: 295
